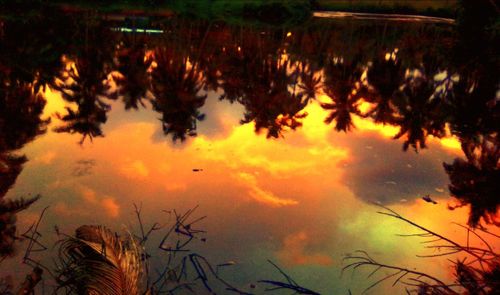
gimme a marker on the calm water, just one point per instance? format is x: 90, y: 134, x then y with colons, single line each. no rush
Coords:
x: 284, y: 138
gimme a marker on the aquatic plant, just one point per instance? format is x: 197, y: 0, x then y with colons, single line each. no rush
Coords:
x: 475, y: 273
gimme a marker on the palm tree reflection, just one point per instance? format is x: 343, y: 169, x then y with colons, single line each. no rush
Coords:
x: 272, y: 100
x: 271, y: 73
x: 340, y: 83
x: 418, y: 111
x: 20, y: 123
x: 385, y: 77
x: 132, y: 78
x: 83, y: 85
x: 176, y: 86
x: 84, y: 81
x: 474, y: 181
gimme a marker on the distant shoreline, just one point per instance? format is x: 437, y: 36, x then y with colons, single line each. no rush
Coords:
x: 272, y: 11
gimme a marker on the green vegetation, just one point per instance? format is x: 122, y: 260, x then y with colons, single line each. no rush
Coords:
x: 272, y: 11
x: 276, y: 12
x: 444, y: 8
x: 268, y: 11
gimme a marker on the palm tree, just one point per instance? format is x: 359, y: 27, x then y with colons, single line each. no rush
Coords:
x: 133, y: 79
x: 271, y: 99
x: 384, y: 78
x: 419, y: 114
x: 474, y: 181
x: 20, y: 111
x: 86, y: 81
x: 235, y: 68
x: 176, y: 88
x: 20, y: 123
x: 8, y: 211
x: 98, y: 261
x: 31, y: 46
x: 310, y: 82
x: 340, y: 79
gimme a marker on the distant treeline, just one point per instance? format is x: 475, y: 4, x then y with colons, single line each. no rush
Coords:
x: 272, y: 10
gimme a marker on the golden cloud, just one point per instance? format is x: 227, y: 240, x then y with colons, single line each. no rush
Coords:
x: 135, y: 169
x: 263, y: 196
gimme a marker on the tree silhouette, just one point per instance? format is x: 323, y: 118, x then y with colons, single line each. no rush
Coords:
x: 419, y: 113
x: 310, y: 82
x: 176, y: 87
x: 271, y: 99
x: 84, y: 81
x: 20, y: 123
x: 235, y: 72
x: 132, y: 65
x: 82, y: 86
x: 340, y: 79
x: 31, y: 45
x: 384, y: 77
x: 474, y: 181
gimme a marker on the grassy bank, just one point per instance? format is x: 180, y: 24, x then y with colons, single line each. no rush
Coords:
x: 232, y: 11
x: 270, y: 11
x: 442, y: 8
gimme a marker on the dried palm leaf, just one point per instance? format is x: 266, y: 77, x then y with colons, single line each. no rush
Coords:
x: 98, y: 261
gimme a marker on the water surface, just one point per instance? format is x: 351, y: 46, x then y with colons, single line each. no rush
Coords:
x: 284, y: 137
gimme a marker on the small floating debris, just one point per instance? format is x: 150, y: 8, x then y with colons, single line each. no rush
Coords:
x: 197, y: 170
x: 229, y: 263
x: 428, y: 199
x: 391, y: 182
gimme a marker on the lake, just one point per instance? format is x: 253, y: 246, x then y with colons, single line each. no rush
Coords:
x: 287, y: 140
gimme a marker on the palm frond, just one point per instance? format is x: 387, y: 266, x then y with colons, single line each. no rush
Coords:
x: 98, y: 261
x: 14, y: 206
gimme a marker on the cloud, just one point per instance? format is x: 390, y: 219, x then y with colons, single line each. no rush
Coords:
x: 175, y: 186
x: 46, y: 158
x: 135, y: 170
x: 244, y: 149
x: 108, y: 203
x: 111, y: 207
x: 88, y: 195
x: 294, y: 251
x: 263, y: 196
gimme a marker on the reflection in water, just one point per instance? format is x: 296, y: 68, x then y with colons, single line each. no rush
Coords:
x: 132, y: 71
x: 271, y: 97
x: 20, y: 123
x: 340, y: 79
x: 474, y: 181
x: 84, y: 82
x: 281, y: 78
x: 176, y: 85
